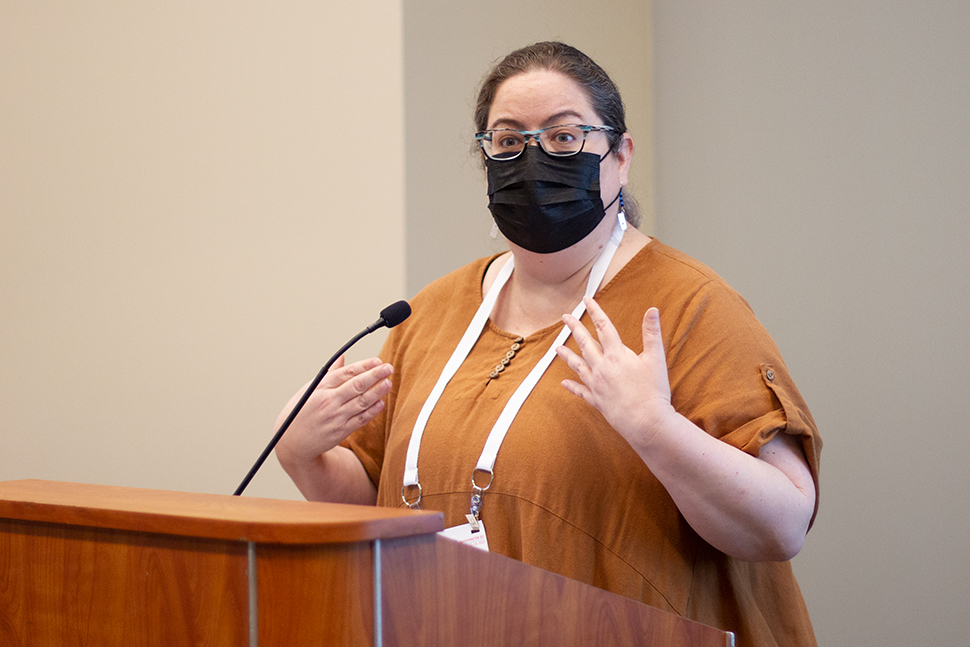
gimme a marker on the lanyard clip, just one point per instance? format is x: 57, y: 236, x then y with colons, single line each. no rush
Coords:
x: 473, y: 523
x: 478, y: 492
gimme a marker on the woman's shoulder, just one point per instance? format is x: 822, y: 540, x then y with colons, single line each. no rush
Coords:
x: 675, y: 263
x: 658, y: 268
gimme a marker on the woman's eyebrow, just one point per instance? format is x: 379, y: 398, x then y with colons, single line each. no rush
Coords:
x: 553, y: 120
x: 557, y: 119
x: 507, y: 123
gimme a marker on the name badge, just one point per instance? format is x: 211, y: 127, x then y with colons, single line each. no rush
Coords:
x: 468, y: 534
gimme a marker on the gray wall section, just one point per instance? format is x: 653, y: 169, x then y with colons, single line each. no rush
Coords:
x: 818, y: 156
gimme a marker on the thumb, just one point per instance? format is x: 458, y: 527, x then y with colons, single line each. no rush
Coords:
x: 652, y: 339
x: 653, y: 353
x: 338, y: 364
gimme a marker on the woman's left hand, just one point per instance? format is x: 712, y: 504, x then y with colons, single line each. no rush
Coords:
x: 751, y: 508
x: 631, y: 391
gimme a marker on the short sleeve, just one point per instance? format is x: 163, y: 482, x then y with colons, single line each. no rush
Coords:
x: 728, y: 376
x: 367, y: 443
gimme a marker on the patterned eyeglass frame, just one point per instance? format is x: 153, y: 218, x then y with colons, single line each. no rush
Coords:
x: 486, y: 135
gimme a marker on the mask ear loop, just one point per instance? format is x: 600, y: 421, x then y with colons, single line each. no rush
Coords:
x: 620, y: 213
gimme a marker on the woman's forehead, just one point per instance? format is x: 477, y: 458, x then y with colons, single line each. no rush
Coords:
x: 539, y: 98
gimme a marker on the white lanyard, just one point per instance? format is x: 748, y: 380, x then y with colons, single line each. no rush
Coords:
x: 487, y: 460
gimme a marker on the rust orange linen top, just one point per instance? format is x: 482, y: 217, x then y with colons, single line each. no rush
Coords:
x: 569, y: 495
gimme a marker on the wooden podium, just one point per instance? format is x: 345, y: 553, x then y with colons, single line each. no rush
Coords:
x: 113, y: 566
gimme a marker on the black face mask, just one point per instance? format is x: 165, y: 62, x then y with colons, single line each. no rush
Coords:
x: 545, y: 204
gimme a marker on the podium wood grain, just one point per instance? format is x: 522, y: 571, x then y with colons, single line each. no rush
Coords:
x: 92, y: 586
x: 495, y: 600
x: 106, y: 566
x: 316, y: 595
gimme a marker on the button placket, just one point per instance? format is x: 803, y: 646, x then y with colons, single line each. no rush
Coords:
x: 500, y: 367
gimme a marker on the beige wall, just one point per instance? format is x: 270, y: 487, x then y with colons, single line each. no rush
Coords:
x: 200, y: 202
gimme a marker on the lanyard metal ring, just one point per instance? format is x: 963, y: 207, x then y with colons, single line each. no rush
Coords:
x: 416, y: 504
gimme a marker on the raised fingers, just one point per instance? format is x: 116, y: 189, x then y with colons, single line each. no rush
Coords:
x: 584, y: 340
x: 339, y: 374
x: 350, y: 390
x: 573, y: 361
x: 364, y: 389
x: 605, y: 330
x: 609, y: 338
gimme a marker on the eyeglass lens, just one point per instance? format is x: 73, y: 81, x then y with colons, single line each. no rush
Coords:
x: 558, y: 140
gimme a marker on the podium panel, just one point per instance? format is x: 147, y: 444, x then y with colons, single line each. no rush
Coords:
x: 316, y: 595
x: 110, y: 566
x: 495, y: 600
x: 92, y: 586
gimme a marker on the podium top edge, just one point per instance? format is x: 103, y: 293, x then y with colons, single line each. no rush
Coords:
x: 213, y: 516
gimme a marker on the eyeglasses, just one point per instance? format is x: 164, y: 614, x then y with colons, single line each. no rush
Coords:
x: 505, y: 144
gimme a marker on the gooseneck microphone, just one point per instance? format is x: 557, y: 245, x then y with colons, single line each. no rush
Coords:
x: 391, y: 316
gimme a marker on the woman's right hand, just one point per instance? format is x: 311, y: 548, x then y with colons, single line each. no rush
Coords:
x: 346, y: 399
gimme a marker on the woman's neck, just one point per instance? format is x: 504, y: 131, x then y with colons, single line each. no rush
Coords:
x: 545, y: 286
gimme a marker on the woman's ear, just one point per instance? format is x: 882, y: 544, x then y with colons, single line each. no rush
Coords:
x: 624, y: 157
